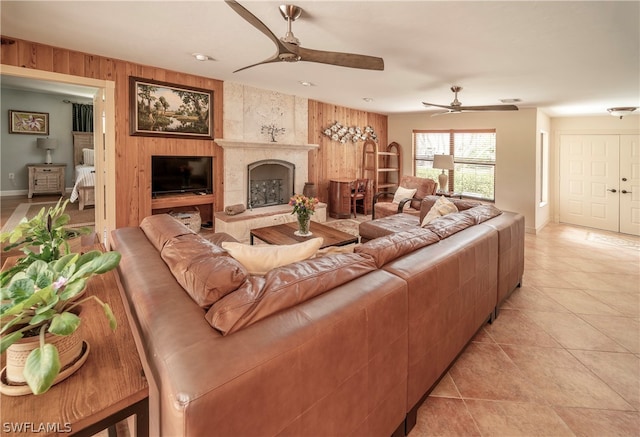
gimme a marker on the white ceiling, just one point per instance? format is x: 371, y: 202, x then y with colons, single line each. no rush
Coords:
x: 568, y: 58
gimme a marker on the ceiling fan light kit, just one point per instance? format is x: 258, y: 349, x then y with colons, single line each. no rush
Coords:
x: 289, y: 48
x: 456, y: 105
x: 622, y: 111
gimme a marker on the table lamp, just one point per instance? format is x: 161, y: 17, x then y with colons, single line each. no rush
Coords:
x: 444, y: 162
x: 48, y: 144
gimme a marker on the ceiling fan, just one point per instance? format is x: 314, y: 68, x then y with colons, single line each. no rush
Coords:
x: 289, y: 49
x: 456, y: 106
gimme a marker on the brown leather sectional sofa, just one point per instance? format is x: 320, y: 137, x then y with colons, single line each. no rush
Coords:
x: 344, y: 344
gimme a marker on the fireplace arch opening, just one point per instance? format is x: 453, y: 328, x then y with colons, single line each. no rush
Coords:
x: 270, y: 182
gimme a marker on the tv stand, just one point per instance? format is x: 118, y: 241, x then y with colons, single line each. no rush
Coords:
x: 163, y: 203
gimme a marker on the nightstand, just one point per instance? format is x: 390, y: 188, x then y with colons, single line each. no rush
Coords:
x: 46, y: 178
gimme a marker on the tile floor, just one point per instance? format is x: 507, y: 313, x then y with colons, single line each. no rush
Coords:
x: 563, y: 356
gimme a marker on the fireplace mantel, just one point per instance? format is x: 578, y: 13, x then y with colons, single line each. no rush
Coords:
x: 244, y: 144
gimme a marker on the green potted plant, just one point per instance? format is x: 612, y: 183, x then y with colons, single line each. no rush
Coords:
x: 40, y: 298
x: 44, y: 237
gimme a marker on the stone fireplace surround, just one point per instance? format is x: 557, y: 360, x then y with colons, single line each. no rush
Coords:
x: 238, y: 154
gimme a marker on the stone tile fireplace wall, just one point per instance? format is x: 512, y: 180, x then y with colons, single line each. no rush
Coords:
x: 246, y: 110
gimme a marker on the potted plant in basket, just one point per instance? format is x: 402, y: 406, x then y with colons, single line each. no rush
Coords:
x: 40, y: 298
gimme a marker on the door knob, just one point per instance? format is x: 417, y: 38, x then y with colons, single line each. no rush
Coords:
x: 625, y: 192
x: 624, y: 179
x: 613, y: 190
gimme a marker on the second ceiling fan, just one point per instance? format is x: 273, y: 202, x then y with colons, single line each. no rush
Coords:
x: 456, y: 105
x: 289, y: 49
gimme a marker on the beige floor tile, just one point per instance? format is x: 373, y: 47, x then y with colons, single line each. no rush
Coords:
x: 600, y: 423
x: 516, y: 328
x: 444, y: 417
x: 620, y: 371
x: 624, y: 330
x: 627, y: 304
x: 501, y: 418
x: 484, y: 372
x: 561, y: 379
x: 578, y: 301
x: 572, y: 332
x: 530, y: 298
x: 446, y: 388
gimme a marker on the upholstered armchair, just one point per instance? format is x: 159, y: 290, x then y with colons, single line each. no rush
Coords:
x: 397, y: 202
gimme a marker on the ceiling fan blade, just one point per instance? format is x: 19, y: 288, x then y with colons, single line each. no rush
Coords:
x: 489, y: 108
x: 254, y: 21
x: 439, y: 106
x: 351, y: 60
x: 443, y: 113
x: 274, y: 58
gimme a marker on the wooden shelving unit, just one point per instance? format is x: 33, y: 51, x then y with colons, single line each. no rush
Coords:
x: 383, y: 167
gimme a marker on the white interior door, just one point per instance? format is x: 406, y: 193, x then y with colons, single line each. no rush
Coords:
x: 589, y: 180
x: 630, y: 184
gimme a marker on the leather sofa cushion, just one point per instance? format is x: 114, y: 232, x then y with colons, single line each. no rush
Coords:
x: 482, y: 213
x: 390, y: 247
x: 285, y: 287
x: 203, y: 269
x: 387, y: 225
x: 160, y: 228
x: 450, y: 224
x: 461, y: 204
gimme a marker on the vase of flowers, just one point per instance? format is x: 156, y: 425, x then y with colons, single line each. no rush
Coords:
x: 303, y: 207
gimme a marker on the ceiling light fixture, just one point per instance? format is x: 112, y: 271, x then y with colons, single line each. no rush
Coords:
x: 305, y: 83
x: 367, y: 99
x: 201, y: 57
x: 622, y: 111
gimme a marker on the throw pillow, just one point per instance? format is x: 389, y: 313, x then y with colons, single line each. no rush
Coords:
x: 404, y: 193
x: 87, y: 157
x: 258, y: 260
x: 443, y: 206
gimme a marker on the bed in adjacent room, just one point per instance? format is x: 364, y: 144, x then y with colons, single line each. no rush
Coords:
x: 85, y: 170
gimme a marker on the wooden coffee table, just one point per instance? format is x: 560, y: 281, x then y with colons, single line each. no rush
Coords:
x: 283, y: 234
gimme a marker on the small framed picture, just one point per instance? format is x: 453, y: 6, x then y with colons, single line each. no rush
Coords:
x: 28, y: 122
x: 166, y: 110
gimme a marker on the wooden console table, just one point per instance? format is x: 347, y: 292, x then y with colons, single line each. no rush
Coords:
x: 108, y: 388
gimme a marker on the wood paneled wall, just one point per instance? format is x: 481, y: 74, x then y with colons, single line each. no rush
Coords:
x: 133, y: 153
x: 334, y: 160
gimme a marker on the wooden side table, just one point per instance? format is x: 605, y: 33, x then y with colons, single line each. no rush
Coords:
x: 108, y: 388
x: 46, y: 178
x: 340, y: 198
x: 449, y: 194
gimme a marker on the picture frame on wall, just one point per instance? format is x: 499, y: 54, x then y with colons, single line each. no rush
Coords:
x: 28, y: 122
x: 161, y: 109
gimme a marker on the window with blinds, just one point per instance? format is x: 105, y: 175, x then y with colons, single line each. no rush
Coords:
x: 474, y: 156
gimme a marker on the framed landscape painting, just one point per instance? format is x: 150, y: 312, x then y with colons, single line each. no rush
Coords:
x: 168, y: 110
x: 28, y: 122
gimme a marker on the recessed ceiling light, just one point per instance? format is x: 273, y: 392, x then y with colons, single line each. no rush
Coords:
x: 368, y: 99
x: 201, y: 57
x: 305, y: 83
x: 511, y: 100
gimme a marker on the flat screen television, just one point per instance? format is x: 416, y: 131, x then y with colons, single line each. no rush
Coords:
x: 181, y: 174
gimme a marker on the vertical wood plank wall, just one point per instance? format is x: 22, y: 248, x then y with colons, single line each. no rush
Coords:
x: 133, y: 153
x: 334, y: 160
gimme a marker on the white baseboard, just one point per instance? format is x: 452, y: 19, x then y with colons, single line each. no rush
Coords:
x: 14, y: 193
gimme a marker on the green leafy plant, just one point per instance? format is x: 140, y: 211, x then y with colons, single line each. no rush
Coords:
x: 44, y: 237
x: 42, y: 292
